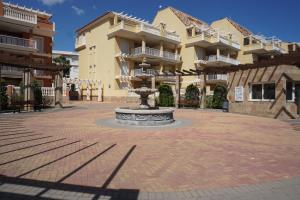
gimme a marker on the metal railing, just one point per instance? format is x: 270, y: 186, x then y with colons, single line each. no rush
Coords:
x: 15, y: 41
x: 19, y: 15
x: 217, y: 77
x: 47, y: 91
x: 155, y: 52
x: 213, y: 58
x: 156, y: 31
x: 140, y: 71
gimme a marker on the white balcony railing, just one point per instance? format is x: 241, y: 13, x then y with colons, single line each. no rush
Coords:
x: 15, y: 41
x: 215, y: 36
x: 156, y: 31
x: 47, y: 91
x: 222, y: 77
x: 155, y: 52
x: 80, y: 41
x: 220, y: 58
x: 140, y: 71
x: 19, y: 15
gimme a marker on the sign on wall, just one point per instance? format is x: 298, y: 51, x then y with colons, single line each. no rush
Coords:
x: 239, y: 93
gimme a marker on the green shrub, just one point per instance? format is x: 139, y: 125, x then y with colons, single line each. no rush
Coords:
x: 192, y: 95
x: 3, y: 98
x: 37, y: 93
x: 208, y: 101
x: 166, y: 97
x: 219, y: 97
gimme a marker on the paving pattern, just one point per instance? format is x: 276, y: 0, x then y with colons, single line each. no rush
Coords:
x: 65, y: 154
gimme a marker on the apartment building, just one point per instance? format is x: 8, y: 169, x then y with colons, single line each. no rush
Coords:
x: 223, y: 43
x: 72, y: 57
x: 111, y: 47
x: 25, y: 35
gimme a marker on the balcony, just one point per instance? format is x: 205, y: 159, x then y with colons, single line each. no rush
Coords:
x: 216, y: 77
x: 155, y: 54
x: 42, y: 74
x: 132, y: 31
x: 264, y: 48
x: 20, y: 16
x: 216, y: 61
x: 211, y: 37
x: 80, y: 42
x: 11, y: 72
x: 19, y: 44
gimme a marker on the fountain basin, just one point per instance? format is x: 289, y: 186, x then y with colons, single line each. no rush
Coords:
x: 140, y: 117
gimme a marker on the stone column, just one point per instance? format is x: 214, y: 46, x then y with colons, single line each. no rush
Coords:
x: 177, y: 91
x: 58, y: 84
x: 143, y: 45
x: 161, y: 49
x: 88, y: 92
x: 193, y: 31
x: 218, y: 52
x: 203, y: 92
x: 28, y: 94
x: 100, y: 99
x: 115, y: 19
x: 176, y: 52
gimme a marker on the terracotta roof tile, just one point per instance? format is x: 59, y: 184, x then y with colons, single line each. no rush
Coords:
x: 240, y: 28
x: 188, y: 20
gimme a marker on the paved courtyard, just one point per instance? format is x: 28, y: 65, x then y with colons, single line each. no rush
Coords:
x: 65, y: 154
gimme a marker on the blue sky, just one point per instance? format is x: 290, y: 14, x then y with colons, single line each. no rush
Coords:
x: 269, y: 17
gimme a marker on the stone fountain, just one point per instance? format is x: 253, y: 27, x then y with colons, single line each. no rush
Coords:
x: 144, y: 115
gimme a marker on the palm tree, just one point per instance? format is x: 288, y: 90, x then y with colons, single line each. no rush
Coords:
x: 61, y: 60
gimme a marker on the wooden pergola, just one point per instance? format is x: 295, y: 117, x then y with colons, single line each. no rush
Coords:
x: 293, y: 58
x: 27, y: 67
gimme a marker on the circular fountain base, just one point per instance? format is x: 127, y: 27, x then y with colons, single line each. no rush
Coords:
x: 140, y: 117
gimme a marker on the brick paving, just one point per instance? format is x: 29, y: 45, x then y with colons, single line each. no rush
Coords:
x: 65, y: 154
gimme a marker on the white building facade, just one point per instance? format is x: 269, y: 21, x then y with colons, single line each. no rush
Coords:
x: 73, y: 58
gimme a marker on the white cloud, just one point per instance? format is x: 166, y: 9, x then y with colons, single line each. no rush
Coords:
x: 52, y: 2
x: 78, y: 10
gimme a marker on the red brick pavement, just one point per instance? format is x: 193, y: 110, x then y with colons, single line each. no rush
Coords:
x: 215, y: 150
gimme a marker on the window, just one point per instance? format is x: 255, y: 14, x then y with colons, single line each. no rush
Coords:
x: 289, y: 91
x: 256, y: 91
x: 262, y: 91
x: 269, y: 91
x: 292, y: 90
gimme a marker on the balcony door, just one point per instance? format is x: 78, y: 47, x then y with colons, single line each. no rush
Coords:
x: 124, y: 68
x: 124, y: 46
x: 39, y: 44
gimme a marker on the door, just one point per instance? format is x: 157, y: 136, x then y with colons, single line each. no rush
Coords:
x: 297, y: 96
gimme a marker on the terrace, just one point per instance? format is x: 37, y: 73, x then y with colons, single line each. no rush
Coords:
x: 262, y: 45
x: 19, y: 44
x: 130, y: 27
x: 211, y: 37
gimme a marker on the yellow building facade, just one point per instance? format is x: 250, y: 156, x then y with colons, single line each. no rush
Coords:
x: 112, y: 46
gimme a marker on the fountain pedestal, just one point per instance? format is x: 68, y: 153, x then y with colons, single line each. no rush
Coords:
x: 144, y: 115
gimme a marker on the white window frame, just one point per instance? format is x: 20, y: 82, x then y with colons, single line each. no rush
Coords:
x: 262, y: 89
x: 293, y: 91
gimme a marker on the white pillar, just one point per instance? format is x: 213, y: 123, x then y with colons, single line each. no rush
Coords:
x: 28, y: 95
x: 161, y: 49
x: 88, y: 92
x: 218, y: 52
x: 58, y: 89
x: 100, y: 99
x: 143, y: 45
